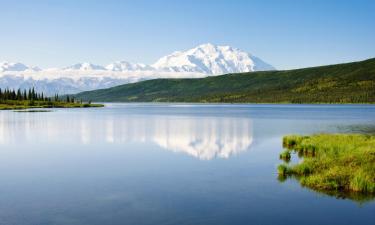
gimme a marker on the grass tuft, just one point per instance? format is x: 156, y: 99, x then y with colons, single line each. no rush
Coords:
x: 285, y: 155
x: 283, y: 170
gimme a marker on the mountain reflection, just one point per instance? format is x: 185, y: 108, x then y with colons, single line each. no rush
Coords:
x: 205, y: 138
x: 202, y: 137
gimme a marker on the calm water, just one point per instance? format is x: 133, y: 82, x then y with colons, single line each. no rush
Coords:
x: 166, y: 164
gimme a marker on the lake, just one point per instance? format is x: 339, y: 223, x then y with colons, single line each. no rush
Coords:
x: 167, y: 164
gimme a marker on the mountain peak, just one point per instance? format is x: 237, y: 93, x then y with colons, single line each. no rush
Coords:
x: 127, y: 66
x: 211, y: 59
x: 18, y: 67
x: 85, y: 66
x: 206, y: 46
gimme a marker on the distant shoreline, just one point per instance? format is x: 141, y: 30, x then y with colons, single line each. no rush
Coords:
x: 23, y: 105
x: 242, y: 103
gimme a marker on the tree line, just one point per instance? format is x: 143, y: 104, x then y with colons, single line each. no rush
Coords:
x: 31, y: 95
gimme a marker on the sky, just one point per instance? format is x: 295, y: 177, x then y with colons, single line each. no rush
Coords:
x: 287, y: 34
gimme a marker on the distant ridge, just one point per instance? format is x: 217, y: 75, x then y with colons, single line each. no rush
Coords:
x: 342, y: 83
x: 201, y: 61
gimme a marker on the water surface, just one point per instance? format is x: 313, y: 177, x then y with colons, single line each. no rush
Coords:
x: 166, y: 164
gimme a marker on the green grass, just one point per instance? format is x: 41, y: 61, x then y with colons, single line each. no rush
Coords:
x: 285, y: 155
x: 17, y: 105
x: 333, y: 162
x: 342, y: 83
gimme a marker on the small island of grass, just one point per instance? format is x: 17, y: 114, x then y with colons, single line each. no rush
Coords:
x: 332, y: 162
x: 11, y: 99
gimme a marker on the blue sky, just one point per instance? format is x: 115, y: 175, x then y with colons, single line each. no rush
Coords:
x: 287, y: 34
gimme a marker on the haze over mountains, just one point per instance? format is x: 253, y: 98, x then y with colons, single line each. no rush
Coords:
x: 201, y: 61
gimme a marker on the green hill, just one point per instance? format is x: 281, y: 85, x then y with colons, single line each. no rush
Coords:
x: 341, y: 83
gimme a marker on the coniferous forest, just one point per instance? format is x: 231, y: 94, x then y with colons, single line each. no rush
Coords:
x: 22, y: 99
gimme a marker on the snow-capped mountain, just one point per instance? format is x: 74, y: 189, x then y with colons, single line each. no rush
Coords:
x: 84, y: 67
x: 201, y: 61
x: 8, y: 66
x: 211, y: 59
x: 127, y: 66
x: 207, y: 59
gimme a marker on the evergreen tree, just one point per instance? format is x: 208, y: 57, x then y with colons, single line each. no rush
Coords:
x: 19, y: 95
x: 33, y: 95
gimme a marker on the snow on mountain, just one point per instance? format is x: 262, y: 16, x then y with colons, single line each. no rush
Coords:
x: 201, y: 61
x: 8, y: 66
x: 84, y: 67
x: 211, y: 59
x: 127, y: 66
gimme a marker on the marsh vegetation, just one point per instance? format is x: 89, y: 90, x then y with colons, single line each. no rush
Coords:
x: 333, y: 163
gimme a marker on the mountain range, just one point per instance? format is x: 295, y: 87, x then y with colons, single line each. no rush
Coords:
x: 201, y: 61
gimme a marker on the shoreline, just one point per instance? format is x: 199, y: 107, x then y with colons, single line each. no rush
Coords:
x: 67, y: 105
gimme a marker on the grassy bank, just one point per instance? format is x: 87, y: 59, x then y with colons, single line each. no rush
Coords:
x: 332, y: 162
x: 27, y: 104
